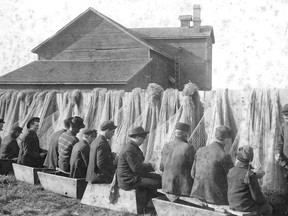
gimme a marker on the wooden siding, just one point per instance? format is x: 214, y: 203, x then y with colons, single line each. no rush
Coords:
x: 104, y: 42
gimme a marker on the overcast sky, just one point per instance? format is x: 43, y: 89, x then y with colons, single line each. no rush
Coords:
x: 251, y: 48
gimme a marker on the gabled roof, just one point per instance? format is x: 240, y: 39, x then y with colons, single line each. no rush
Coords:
x: 107, y: 19
x: 75, y: 72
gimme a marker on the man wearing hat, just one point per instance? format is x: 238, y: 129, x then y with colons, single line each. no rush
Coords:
x: 132, y: 172
x: 177, y: 159
x: 66, y: 142
x: 30, y: 153
x: 244, y: 191
x: 282, y: 144
x: 51, y: 160
x: 80, y: 154
x: 101, y: 167
x: 210, y: 169
x: 1, y: 128
x: 9, y: 148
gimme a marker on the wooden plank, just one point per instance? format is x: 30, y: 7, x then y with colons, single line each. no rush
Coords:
x: 27, y: 174
x: 98, y: 195
x: 167, y: 208
x: 66, y: 186
x: 6, y: 166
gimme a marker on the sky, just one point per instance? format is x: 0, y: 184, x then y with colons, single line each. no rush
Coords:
x: 251, y: 37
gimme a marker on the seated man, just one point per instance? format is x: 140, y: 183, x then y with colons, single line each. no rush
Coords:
x: 132, y: 172
x: 9, y: 148
x: 30, y: 153
x: 176, y: 163
x: 51, y: 160
x: 66, y: 142
x: 210, y: 169
x: 80, y: 155
x: 244, y: 191
x: 101, y: 167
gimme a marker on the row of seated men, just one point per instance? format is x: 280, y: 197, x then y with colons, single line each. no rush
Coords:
x: 208, y: 174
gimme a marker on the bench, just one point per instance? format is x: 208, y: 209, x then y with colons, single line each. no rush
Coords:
x: 6, y: 166
x: 98, y: 195
x: 61, y: 184
x: 27, y: 174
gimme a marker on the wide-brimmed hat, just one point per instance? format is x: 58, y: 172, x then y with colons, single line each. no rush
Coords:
x: 76, y: 121
x: 107, y: 125
x: 137, y: 131
x: 182, y: 126
x: 222, y: 132
x: 2, y: 121
x: 33, y: 119
x: 89, y: 131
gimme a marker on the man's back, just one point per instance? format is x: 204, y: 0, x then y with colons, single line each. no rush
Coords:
x: 51, y: 160
x: 79, y: 159
x: 65, y: 144
x: 177, y: 165
x: 210, y: 171
x: 9, y: 148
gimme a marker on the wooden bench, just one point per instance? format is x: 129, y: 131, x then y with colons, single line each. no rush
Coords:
x: 98, y: 195
x: 26, y: 173
x: 6, y: 166
x: 61, y: 184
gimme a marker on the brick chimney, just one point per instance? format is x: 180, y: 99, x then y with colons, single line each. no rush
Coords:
x: 185, y: 20
x: 196, y: 18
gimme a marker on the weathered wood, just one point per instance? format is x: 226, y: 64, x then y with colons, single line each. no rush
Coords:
x: 6, y: 166
x: 166, y: 208
x: 26, y: 173
x: 70, y: 187
x: 98, y: 195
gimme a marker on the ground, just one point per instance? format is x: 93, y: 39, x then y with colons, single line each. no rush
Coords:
x: 18, y: 198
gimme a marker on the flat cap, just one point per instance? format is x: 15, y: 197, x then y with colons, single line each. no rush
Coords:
x: 89, y: 131
x: 107, y: 125
x: 284, y: 110
x: 222, y: 132
x: 2, y: 121
x: 137, y: 131
x: 182, y: 126
x: 76, y: 121
x: 33, y: 119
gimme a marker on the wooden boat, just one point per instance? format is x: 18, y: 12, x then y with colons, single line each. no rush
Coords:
x: 64, y: 185
x: 26, y: 173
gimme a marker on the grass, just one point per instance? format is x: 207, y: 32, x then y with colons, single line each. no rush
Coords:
x: 19, y: 198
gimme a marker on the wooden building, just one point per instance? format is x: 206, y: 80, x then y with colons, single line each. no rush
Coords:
x: 94, y: 51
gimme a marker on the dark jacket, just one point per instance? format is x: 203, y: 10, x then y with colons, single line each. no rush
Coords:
x: 29, y: 154
x: 51, y: 160
x: 100, y: 168
x: 9, y: 148
x: 210, y: 169
x: 176, y: 164
x: 131, y: 166
x: 243, y: 196
x: 79, y: 159
x: 282, y: 144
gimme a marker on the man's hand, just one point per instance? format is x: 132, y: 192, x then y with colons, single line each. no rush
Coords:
x: 278, y: 157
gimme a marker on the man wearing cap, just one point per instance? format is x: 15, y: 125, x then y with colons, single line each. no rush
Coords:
x: 101, y: 167
x: 51, y: 160
x: 30, y: 153
x: 282, y: 144
x: 210, y: 169
x: 66, y: 142
x: 9, y: 148
x: 132, y: 172
x: 1, y: 128
x: 80, y: 154
x: 244, y: 191
x: 177, y: 159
